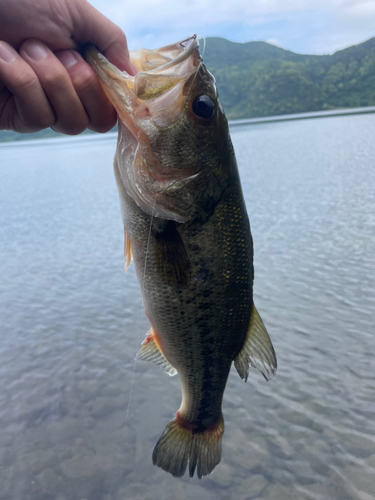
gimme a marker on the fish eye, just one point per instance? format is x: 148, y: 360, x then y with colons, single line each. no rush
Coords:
x: 203, y: 106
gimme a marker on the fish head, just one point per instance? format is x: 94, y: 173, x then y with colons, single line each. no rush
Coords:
x: 172, y: 152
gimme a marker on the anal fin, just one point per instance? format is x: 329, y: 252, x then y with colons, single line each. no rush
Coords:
x: 257, y: 350
x: 128, y: 254
x: 150, y: 351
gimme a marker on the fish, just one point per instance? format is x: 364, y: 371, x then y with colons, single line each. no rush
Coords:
x: 187, y: 230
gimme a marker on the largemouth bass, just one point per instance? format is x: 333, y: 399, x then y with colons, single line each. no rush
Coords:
x: 187, y: 229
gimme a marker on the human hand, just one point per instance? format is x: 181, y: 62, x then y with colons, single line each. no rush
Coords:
x: 44, y: 82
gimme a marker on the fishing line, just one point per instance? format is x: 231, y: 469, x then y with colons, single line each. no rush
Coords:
x: 140, y: 311
x: 204, y: 45
x: 192, y: 83
x: 137, y: 342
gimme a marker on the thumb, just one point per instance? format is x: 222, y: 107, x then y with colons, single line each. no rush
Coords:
x: 91, y: 26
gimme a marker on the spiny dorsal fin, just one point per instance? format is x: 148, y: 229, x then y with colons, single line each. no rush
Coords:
x: 150, y: 352
x: 128, y: 254
x: 257, y: 350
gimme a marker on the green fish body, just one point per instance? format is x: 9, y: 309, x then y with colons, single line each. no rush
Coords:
x: 188, y: 232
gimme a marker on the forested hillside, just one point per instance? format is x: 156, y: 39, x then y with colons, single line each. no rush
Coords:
x: 257, y: 79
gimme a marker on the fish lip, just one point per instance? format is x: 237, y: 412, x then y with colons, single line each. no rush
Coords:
x: 106, y: 69
x: 95, y: 58
x: 188, y: 44
x: 135, y: 98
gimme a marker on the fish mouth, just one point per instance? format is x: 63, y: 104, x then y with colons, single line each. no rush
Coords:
x: 159, y: 70
x: 152, y: 100
x: 156, y: 92
x: 164, y: 57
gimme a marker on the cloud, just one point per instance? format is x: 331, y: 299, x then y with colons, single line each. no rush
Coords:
x: 274, y: 41
x: 199, y: 13
x: 319, y: 26
x: 358, y: 8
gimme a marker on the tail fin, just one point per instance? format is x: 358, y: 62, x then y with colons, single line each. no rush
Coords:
x: 179, y: 445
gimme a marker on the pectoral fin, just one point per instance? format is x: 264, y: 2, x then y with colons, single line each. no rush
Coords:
x: 128, y: 254
x: 172, y: 261
x: 150, y: 351
x: 257, y: 350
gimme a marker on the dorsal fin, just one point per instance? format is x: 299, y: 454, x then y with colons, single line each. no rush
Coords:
x: 150, y: 351
x: 257, y: 350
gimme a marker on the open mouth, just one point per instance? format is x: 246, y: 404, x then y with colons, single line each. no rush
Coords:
x: 154, y: 108
x: 158, y: 70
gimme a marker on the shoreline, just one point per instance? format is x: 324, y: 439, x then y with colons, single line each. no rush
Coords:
x: 232, y: 123
x: 302, y: 116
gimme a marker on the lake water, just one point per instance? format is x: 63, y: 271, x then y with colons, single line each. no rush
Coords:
x: 78, y: 422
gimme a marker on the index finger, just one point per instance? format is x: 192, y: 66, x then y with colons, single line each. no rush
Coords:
x: 24, y: 106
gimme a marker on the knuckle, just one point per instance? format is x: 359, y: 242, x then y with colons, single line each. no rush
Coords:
x: 54, y: 78
x: 121, y: 37
x: 28, y: 85
x: 78, y: 128
x: 37, y: 122
x: 26, y: 81
x: 102, y: 117
x: 103, y: 127
x: 44, y: 121
x: 74, y: 127
x: 84, y: 80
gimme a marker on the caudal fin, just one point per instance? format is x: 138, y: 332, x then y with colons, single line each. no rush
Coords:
x: 180, y: 445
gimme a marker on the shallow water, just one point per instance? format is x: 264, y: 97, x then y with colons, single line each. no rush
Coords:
x: 78, y: 422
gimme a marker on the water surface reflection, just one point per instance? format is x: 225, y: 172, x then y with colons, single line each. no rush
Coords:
x: 71, y: 322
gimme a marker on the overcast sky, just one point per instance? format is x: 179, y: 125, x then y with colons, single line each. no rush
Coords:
x: 304, y: 26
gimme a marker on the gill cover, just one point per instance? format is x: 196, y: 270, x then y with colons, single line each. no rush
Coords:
x: 149, y: 105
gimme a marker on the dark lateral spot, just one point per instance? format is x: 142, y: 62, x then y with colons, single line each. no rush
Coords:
x: 204, y: 305
x: 202, y: 275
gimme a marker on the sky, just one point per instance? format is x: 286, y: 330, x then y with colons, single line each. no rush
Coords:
x: 303, y: 26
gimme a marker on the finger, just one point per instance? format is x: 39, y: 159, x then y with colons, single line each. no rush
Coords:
x: 102, y: 115
x: 71, y: 117
x: 23, y: 105
x: 95, y: 28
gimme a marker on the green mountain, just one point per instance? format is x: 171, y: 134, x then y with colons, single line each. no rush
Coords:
x: 256, y: 79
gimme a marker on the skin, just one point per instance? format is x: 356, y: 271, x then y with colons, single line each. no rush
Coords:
x: 44, y: 81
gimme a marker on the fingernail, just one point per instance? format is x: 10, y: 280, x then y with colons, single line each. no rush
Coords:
x: 36, y: 50
x: 67, y: 58
x: 7, y: 54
